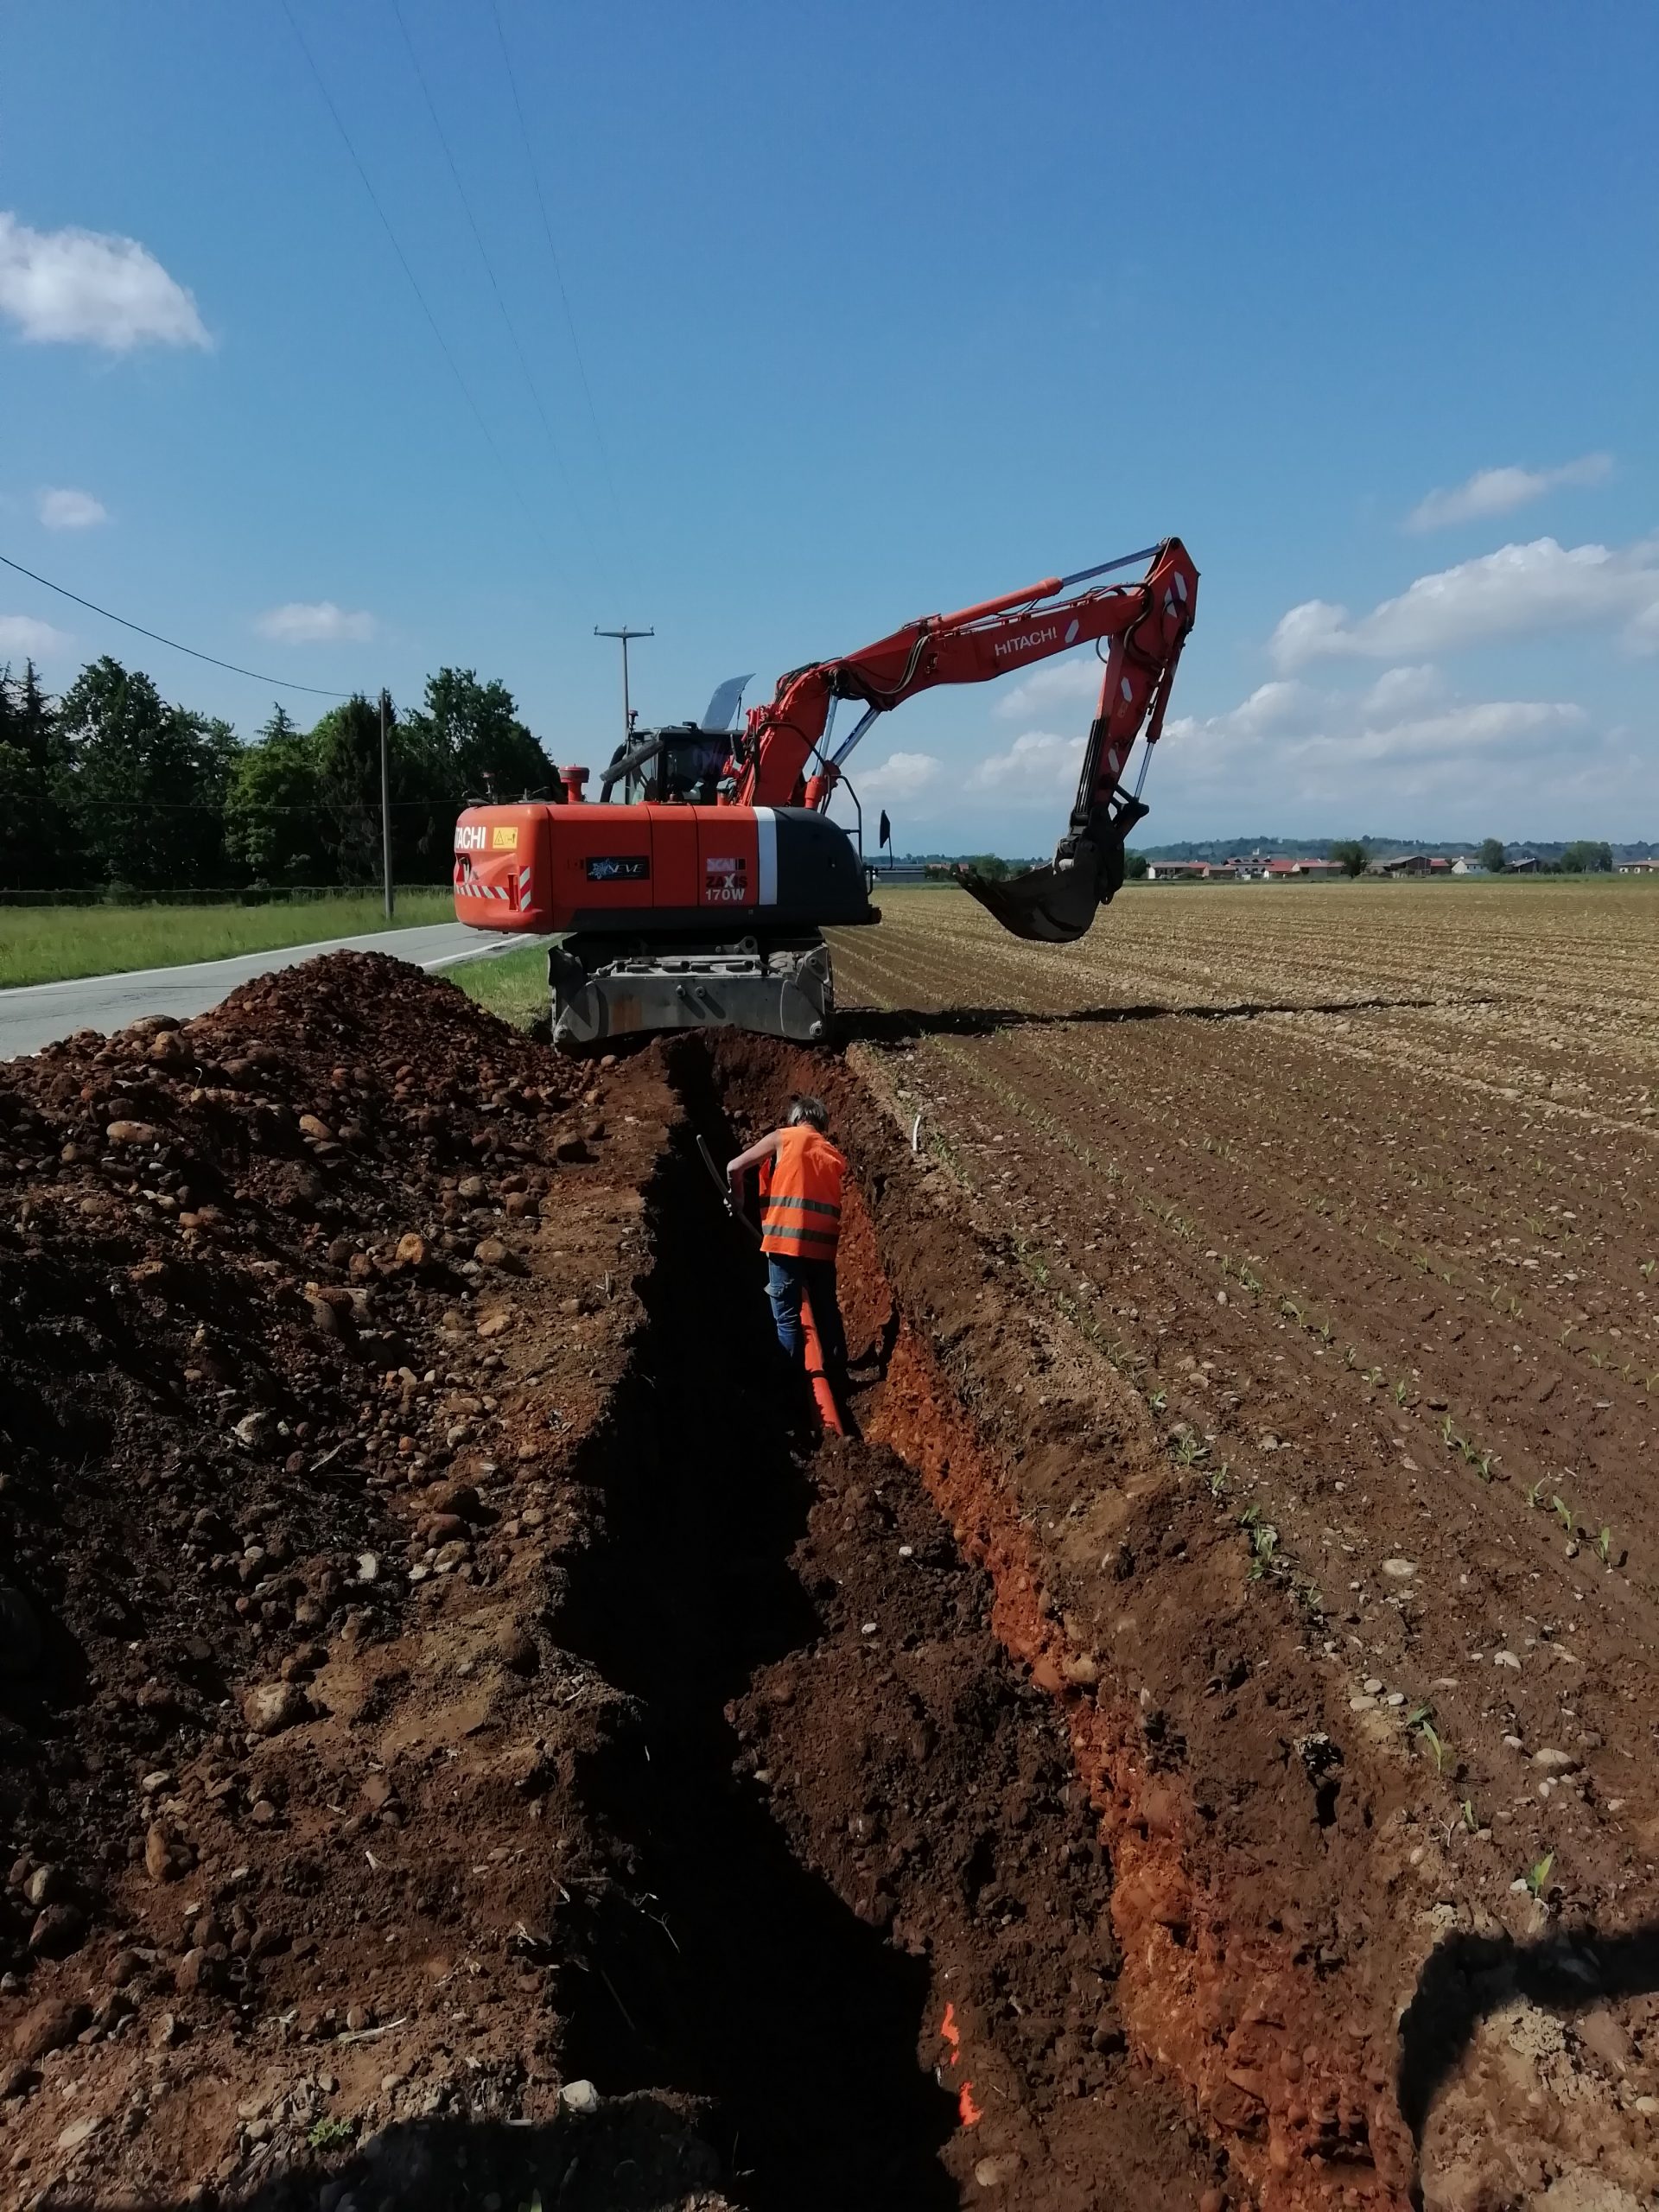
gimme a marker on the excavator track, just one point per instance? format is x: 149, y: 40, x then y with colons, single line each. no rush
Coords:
x: 786, y: 992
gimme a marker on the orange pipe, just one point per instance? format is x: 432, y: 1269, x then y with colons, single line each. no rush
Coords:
x: 824, y: 1395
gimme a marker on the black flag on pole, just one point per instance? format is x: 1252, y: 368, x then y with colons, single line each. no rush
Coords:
x: 885, y: 837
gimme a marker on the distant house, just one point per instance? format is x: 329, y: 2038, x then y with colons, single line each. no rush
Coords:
x: 1320, y: 868
x: 1177, y: 871
x: 1404, y: 864
x: 1526, y: 865
x: 1638, y: 867
x: 1464, y: 865
x: 1439, y: 865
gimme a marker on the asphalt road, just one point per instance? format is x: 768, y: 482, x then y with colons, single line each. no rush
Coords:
x: 35, y: 1014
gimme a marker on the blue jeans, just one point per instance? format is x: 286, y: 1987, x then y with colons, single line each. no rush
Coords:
x: 786, y: 1280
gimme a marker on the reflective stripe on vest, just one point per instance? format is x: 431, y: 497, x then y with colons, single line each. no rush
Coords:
x: 801, y: 1214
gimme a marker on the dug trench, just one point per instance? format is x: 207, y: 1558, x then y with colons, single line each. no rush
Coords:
x: 871, y: 1914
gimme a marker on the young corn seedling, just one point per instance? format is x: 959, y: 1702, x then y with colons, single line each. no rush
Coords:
x: 1647, y: 1269
x: 1534, y: 1491
x: 1156, y: 1400
x: 1421, y: 1723
x: 1290, y: 1309
x: 1264, y: 1540
x: 1401, y: 1392
x: 1350, y: 1358
x: 1219, y: 1482
x: 1538, y: 1875
x: 1470, y: 1819
x: 1605, y: 1546
x: 1563, y: 1512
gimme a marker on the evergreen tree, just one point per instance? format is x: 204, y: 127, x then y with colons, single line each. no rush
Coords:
x: 36, y: 851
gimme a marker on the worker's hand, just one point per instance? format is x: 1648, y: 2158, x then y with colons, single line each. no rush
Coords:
x: 734, y: 1173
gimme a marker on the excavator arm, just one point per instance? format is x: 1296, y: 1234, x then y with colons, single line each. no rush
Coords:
x: 786, y: 758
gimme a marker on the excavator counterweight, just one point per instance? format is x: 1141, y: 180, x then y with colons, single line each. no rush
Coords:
x: 695, y: 893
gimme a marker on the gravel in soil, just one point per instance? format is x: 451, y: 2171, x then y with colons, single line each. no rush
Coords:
x: 310, y: 1306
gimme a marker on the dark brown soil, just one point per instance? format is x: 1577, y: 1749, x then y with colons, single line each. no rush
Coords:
x: 321, y: 1868
x: 450, y: 1672
x: 290, y: 1414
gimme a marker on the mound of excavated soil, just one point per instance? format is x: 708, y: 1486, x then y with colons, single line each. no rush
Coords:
x: 288, y: 1365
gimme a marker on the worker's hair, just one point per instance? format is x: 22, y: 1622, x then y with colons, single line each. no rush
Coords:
x: 810, y: 1110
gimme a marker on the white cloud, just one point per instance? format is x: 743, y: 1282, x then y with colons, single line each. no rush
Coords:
x: 92, y: 288
x: 66, y: 510
x: 1519, y: 590
x: 1401, y: 691
x: 1036, y: 767
x: 902, y: 778
x: 1500, y: 491
x: 21, y: 635
x: 1070, y: 676
x: 318, y: 623
x: 1361, y: 757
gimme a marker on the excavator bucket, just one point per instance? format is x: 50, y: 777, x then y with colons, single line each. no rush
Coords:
x: 1049, y: 906
x: 1058, y: 904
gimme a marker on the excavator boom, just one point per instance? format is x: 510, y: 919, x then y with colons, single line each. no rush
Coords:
x: 1142, y: 624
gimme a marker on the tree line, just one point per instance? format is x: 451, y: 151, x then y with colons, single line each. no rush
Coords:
x: 111, y: 787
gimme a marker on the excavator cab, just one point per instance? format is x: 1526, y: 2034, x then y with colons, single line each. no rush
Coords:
x: 683, y: 765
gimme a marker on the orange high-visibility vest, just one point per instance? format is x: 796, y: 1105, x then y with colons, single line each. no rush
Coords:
x: 801, y: 1213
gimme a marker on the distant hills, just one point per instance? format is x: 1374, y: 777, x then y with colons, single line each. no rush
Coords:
x: 1382, y: 848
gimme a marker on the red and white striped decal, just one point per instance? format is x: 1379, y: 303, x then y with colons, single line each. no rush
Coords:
x: 765, y: 831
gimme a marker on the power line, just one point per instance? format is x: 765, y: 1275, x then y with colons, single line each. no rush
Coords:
x: 565, y: 297
x: 495, y: 285
x: 404, y: 263
x: 276, y: 683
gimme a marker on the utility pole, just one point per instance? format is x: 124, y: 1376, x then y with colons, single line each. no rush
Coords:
x: 385, y: 805
x: 625, y: 633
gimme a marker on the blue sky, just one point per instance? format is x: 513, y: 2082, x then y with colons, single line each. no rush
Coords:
x: 879, y: 311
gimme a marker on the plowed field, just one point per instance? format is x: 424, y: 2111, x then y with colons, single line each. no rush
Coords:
x: 1355, y: 1191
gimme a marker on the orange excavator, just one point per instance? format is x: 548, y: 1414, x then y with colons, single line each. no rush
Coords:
x: 694, y: 892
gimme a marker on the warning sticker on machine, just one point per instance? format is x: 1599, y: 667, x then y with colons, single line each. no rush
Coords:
x: 504, y: 837
x: 725, y: 882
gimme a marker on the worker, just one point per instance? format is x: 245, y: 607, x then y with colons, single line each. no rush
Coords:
x: 800, y: 1228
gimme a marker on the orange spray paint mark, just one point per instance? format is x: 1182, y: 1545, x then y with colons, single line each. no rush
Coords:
x: 967, y: 2110
x: 952, y: 2034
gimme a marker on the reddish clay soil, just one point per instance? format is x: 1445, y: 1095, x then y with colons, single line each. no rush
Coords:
x: 1318, y: 1370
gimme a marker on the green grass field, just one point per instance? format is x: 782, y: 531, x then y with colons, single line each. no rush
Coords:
x: 49, y: 945
x: 515, y: 986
